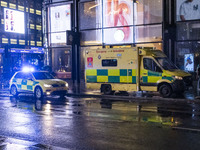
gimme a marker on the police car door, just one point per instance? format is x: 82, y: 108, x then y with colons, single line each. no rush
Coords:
x: 150, y: 74
x: 27, y: 82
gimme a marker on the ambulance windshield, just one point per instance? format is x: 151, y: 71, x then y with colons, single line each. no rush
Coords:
x: 42, y: 75
x: 166, y: 63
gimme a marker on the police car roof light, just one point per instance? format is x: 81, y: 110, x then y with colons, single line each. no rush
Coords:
x: 27, y: 69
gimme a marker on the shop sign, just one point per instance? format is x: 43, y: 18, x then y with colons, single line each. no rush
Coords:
x: 18, y: 50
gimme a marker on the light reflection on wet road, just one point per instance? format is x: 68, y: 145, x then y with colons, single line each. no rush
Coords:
x: 89, y: 123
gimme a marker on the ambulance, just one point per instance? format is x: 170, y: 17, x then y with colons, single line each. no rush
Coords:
x: 133, y: 69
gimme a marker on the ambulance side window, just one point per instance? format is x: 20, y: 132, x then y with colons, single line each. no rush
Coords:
x: 149, y: 64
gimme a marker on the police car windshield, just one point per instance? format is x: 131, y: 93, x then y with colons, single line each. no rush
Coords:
x: 166, y: 63
x: 42, y: 75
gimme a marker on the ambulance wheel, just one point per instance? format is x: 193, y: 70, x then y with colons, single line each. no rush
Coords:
x: 38, y: 93
x: 107, y: 89
x: 13, y: 90
x: 165, y: 90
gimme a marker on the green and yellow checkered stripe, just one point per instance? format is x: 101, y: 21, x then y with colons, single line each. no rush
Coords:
x: 111, y: 75
x: 25, y: 84
x: 153, y: 77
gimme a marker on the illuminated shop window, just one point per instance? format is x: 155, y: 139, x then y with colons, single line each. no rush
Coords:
x: 32, y: 26
x: 21, y: 42
x: 148, y: 11
x: 90, y: 15
x: 4, y: 40
x: 188, y: 50
x: 32, y: 43
x: 38, y: 12
x: 4, y: 4
x: 13, y: 41
x: 187, y: 10
x: 117, y: 13
x: 32, y: 11
x: 120, y: 35
x: 91, y: 37
x: 38, y: 27
x: 13, y: 6
x: 21, y: 8
x: 150, y: 33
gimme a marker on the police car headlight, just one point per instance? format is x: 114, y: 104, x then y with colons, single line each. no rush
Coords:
x: 66, y: 84
x: 178, y: 78
x: 47, y: 85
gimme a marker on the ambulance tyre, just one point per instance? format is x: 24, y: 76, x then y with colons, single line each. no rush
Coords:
x: 13, y: 90
x: 165, y: 90
x: 106, y: 89
x: 38, y: 93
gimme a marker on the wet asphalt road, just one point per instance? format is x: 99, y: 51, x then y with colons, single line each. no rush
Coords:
x: 99, y: 124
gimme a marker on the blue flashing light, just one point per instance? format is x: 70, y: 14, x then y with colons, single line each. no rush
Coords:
x: 28, y: 69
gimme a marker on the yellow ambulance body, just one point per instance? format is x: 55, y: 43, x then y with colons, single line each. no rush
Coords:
x: 133, y: 69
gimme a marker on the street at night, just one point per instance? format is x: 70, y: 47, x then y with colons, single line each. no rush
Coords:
x: 95, y: 123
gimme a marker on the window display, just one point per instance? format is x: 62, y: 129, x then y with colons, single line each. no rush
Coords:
x: 189, y: 62
x: 14, y: 21
x: 188, y: 10
x: 60, y: 22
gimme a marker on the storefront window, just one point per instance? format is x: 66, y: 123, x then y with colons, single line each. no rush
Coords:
x: 62, y: 63
x: 91, y: 37
x: 122, y: 35
x: 188, y: 55
x: 60, y: 22
x: 187, y: 10
x: 117, y: 13
x: 148, y: 11
x: 188, y: 30
x: 90, y: 15
x: 150, y: 33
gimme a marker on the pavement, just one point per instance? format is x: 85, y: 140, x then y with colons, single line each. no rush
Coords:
x: 188, y: 96
x: 7, y: 143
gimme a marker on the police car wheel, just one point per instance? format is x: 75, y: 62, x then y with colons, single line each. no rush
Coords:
x: 13, y: 90
x: 38, y: 93
x: 165, y: 90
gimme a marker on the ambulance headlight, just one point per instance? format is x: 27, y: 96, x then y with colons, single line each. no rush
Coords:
x: 47, y: 85
x: 66, y: 84
x: 178, y: 78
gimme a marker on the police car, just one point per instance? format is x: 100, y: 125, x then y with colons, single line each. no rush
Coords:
x: 39, y: 83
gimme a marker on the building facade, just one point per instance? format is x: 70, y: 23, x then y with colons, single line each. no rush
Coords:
x: 121, y: 23
x: 20, y: 35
